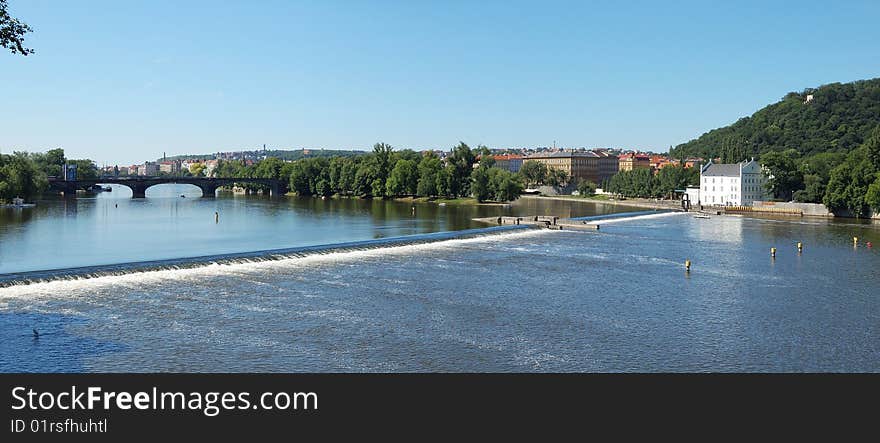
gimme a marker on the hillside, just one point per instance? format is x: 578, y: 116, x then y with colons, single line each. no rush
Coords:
x: 838, y: 118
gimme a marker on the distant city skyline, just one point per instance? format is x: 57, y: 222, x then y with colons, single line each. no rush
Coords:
x: 123, y: 82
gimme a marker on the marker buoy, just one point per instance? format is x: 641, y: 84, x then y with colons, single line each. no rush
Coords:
x: 687, y: 265
x: 800, y: 247
x: 855, y: 241
x: 773, y: 252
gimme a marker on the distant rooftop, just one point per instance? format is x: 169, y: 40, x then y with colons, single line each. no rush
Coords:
x: 723, y: 169
x: 569, y: 154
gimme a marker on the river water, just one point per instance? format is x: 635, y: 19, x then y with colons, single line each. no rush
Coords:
x: 528, y: 300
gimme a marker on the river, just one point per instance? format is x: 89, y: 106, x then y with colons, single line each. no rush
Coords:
x: 529, y: 300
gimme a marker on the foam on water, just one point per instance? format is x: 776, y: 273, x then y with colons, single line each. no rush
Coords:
x: 640, y: 217
x: 244, y: 266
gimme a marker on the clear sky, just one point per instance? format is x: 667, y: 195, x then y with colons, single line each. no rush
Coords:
x: 122, y: 81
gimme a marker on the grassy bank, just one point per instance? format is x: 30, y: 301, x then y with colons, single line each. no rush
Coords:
x: 464, y: 201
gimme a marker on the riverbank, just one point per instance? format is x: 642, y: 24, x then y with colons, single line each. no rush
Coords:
x: 463, y: 201
x: 674, y: 205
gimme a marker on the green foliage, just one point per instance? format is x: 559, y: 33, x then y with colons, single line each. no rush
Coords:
x: 20, y: 177
x: 635, y: 183
x: 49, y: 162
x: 404, y: 178
x: 197, y: 169
x: 386, y: 173
x: 872, y: 197
x: 429, y: 171
x: 480, y: 184
x: 586, y: 188
x: 268, y: 168
x: 557, y: 177
x: 837, y: 119
x: 504, y: 185
x: 676, y: 177
x: 462, y: 162
x: 491, y: 183
x: 785, y: 175
x: 816, y: 171
x: 12, y: 31
x: 534, y: 172
x: 848, y: 186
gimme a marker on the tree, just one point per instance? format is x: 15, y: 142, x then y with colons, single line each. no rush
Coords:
x: 785, y: 178
x: 20, y: 177
x: 533, y: 171
x: 480, y: 184
x: 586, y: 187
x: 872, y: 146
x: 504, y: 185
x: 85, y: 169
x: 872, y: 197
x: 486, y: 157
x: 816, y: 171
x: 839, y: 118
x: 446, y: 183
x: 849, y: 183
x: 673, y: 177
x: 365, y: 176
x: 12, y: 31
x: 383, y: 154
x: 49, y: 162
x: 556, y: 177
x: 268, y: 168
x: 428, y: 170
x: 197, y: 169
x: 403, y: 179
x: 462, y: 161
x: 634, y: 183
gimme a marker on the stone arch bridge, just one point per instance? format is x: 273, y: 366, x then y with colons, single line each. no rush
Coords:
x: 140, y: 184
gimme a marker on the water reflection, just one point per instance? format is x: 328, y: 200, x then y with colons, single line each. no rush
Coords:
x: 110, y: 227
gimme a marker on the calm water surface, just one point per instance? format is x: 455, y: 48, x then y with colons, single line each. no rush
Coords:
x: 613, y: 300
x: 113, y: 228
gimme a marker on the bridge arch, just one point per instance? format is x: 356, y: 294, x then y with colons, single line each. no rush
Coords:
x: 140, y: 184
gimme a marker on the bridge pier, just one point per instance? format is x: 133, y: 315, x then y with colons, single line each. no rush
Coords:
x: 68, y: 189
x: 277, y: 189
x: 208, y: 190
x: 138, y: 190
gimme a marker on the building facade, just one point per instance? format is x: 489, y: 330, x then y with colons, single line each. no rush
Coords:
x: 738, y: 184
x: 170, y: 167
x: 628, y: 162
x: 595, y: 166
x: 148, y: 169
x: 509, y: 162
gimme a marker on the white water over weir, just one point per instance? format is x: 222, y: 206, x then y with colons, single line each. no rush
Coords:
x: 94, y: 272
x: 335, y: 251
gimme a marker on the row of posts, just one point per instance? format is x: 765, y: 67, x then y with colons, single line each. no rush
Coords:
x: 800, y: 249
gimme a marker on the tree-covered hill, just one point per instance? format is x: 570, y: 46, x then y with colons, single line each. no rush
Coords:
x: 838, y: 118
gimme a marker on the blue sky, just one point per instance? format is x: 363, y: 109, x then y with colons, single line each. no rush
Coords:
x: 123, y: 81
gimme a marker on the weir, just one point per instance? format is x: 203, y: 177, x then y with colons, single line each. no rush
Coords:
x: 86, y: 272
x: 589, y: 223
